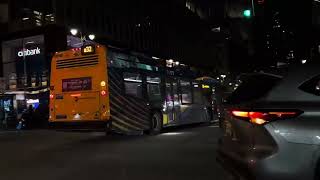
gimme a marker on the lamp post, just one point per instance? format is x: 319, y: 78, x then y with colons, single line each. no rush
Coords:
x: 248, y: 13
x: 253, y: 8
x: 75, y: 32
x: 25, y: 80
x: 25, y: 83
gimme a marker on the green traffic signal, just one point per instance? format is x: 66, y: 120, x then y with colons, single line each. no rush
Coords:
x: 247, y: 13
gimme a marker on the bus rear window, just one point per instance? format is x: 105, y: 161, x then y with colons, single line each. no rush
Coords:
x: 77, y: 84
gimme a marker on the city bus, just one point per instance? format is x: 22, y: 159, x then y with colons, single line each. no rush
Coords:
x: 108, y: 88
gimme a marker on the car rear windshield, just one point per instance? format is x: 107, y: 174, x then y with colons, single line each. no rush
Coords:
x: 253, y: 87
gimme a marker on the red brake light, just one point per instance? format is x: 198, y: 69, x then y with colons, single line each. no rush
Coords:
x: 51, y: 96
x: 263, y: 117
x: 103, y: 93
x: 75, y: 95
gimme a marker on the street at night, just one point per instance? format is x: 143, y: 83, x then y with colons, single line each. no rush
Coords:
x: 159, y: 89
x: 181, y: 153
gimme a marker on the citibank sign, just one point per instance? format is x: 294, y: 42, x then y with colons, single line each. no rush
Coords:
x: 29, y: 52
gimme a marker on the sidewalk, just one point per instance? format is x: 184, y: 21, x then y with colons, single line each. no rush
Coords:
x: 2, y: 131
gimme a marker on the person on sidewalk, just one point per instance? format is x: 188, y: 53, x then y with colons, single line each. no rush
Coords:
x: 25, y: 122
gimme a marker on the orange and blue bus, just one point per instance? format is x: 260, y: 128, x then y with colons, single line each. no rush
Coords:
x: 114, y: 89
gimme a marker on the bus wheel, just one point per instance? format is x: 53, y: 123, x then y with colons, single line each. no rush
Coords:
x: 156, y: 123
x: 109, y: 128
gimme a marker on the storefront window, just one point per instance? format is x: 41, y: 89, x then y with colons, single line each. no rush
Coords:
x: 22, y: 57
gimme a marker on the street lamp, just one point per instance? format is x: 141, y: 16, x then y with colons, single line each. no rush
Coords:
x: 92, y: 37
x: 74, y: 32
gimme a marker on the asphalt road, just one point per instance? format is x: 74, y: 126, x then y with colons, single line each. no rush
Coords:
x: 187, y: 153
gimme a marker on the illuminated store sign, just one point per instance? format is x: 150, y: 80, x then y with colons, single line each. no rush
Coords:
x: 29, y: 52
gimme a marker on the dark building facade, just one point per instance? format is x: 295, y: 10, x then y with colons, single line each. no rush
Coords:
x: 277, y: 34
x: 161, y: 28
x: 288, y: 38
x: 316, y: 29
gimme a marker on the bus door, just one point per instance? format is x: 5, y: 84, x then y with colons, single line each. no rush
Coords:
x: 209, y: 100
x: 193, y: 108
x: 172, y: 101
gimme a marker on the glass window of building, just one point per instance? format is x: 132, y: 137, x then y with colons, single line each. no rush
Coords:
x: 22, y: 57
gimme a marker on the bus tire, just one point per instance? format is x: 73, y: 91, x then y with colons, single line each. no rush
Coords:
x: 108, y: 129
x: 156, y: 123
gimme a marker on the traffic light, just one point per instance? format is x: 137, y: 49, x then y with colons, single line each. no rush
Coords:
x: 247, y: 13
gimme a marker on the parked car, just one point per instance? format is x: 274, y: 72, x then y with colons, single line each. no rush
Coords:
x: 271, y: 130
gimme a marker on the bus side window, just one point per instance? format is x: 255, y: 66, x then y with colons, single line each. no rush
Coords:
x: 175, y: 93
x: 186, y: 92
x: 154, y: 88
x: 197, y: 93
x: 133, y: 84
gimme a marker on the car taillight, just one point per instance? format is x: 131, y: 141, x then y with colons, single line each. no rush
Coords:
x: 51, y: 96
x: 262, y: 117
x: 103, y: 93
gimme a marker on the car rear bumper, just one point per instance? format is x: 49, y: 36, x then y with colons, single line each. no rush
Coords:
x: 296, y: 165
x: 236, y: 168
x: 76, y: 125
